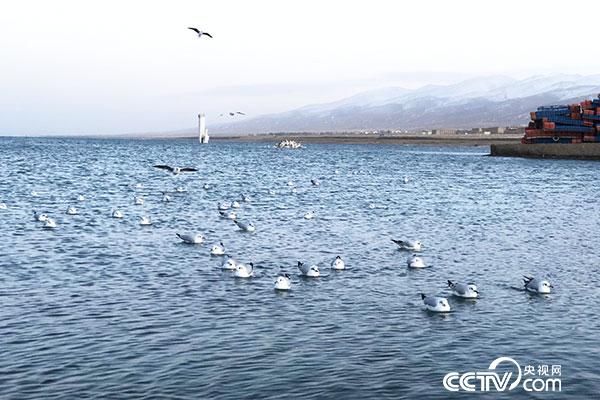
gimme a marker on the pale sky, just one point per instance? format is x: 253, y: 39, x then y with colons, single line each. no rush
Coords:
x: 85, y: 67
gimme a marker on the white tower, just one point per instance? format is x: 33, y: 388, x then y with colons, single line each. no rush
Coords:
x: 202, y: 131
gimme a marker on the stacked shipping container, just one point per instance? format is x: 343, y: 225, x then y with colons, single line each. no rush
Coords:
x: 575, y: 123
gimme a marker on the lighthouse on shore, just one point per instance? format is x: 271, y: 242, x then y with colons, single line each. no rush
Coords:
x: 202, y: 131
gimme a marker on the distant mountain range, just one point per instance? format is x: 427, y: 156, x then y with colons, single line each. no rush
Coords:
x: 480, y: 102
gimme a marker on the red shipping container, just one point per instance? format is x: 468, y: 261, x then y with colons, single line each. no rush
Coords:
x: 588, y: 112
x: 549, y: 125
x: 589, y: 138
x: 575, y: 116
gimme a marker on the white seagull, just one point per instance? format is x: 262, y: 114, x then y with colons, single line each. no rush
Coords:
x: 200, y: 33
x: 175, y: 170
x: 145, y: 220
x: 245, y: 198
x: 244, y: 271
x: 138, y: 200
x: 435, y: 304
x: 228, y: 214
x: 49, y: 223
x: 248, y: 227
x: 283, y: 282
x: 537, y: 285
x: 189, y: 238
x: 218, y: 249
x: 338, y: 264
x: 309, y: 215
x: 81, y: 197
x: 166, y: 198
x: 117, y: 214
x: 312, y: 271
x: 466, y: 290
x: 72, y: 211
x: 235, y: 204
x: 229, y: 263
x: 415, y: 261
x: 315, y: 182
x: 413, y: 245
x: 224, y: 206
x: 3, y: 206
x: 40, y: 217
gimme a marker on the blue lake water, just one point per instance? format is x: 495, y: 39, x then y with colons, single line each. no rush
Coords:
x: 105, y: 308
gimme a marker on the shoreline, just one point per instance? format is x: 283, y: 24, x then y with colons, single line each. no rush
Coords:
x: 406, y: 139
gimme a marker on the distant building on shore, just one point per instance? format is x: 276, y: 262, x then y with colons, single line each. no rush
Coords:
x: 443, y: 131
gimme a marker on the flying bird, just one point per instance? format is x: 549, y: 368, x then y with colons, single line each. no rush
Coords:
x: 176, y: 170
x: 200, y: 33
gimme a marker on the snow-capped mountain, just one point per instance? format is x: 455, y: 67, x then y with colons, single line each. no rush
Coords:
x: 487, y: 101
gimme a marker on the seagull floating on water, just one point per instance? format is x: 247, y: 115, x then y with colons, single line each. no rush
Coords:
x: 224, y: 206
x: 413, y: 245
x: 248, y: 227
x: 466, y: 290
x: 309, y: 215
x: 117, y: 214
x: 166, y: 198
x: 180, y: 189
x: 244, y: 271
x: 312, y: 271
x: 81, y: 197
x: 235, y: 204
x: 229, y: 263
x: 40, y: 217
x: 49, y: 223
x: 245, y: 198
x: 315, y: 182
x: 189, y: 238
x: 228, y: 214
x: 435, y: 304
x: 206, y: 186
x: 415, y: 261
x: 138, y: 200
x: 283, y: 282
x: 537, y: 285
x: 176, y: 170
x: 218, y: 249
x: 200, y: 33
x: 72, y: 211
x: 3, y: 206
x: 145, y: 220
x: 338, y: 264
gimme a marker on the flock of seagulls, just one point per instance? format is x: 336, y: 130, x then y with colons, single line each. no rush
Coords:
x: 459, y: 289
x: 282, y: 282
x: 233, y: 113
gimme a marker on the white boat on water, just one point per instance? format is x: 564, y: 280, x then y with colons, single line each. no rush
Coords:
x: 288, y: 144
x: 202, y: 131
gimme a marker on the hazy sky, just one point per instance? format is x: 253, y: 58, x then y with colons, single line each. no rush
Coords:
x: 132, y: 66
